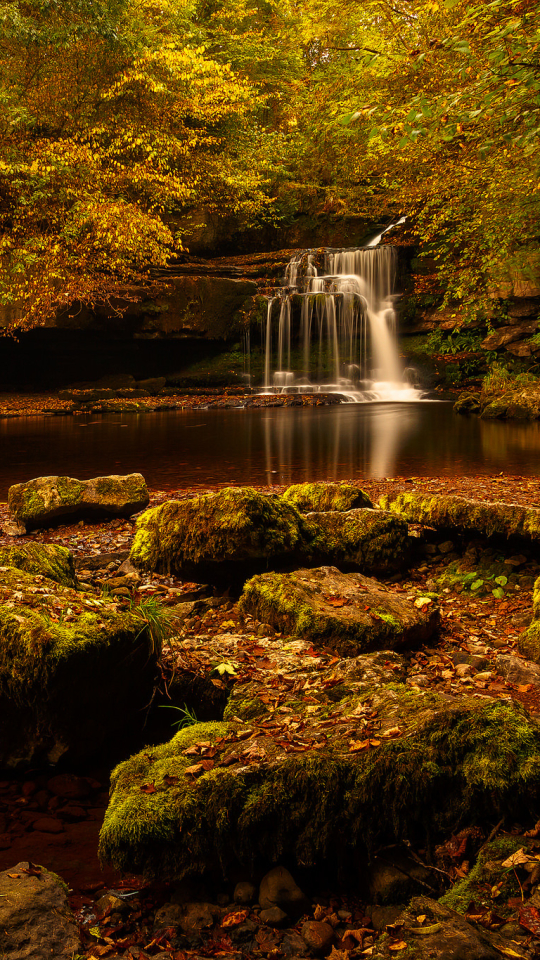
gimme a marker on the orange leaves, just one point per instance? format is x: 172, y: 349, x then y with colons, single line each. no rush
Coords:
x: 357, y: 746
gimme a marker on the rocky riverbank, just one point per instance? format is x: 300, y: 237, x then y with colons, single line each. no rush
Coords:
x: 370, y: 775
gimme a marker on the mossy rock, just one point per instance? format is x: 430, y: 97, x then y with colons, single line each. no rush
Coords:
x: 467, y: 516
x: 467, y: 403
x: 46, y: 501
x: 529, y: 641
x: 75, y: 672
x: 237, y: 531
x: 486, y: 875
x: 496, y: 410
x: 319, y: 497
x: 222, y: 794
x: 347, y: 612
x: 211, y: 532
x: 47, y: 559
x: 372, y: 541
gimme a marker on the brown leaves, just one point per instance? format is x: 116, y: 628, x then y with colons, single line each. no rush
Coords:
x: 235, y: 919
x: 335, y: 601
x: 197, y: 769
x: 356, y: 746
x: 148, y: 788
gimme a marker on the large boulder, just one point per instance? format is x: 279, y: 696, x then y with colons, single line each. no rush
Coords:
x: 47, y: 559
x: 466, y: 516
x: 347, y: 612
x: 48, y: 500
x: 75, y: 671
x: 239, y: 530
x: 529, y: 641
x: 326, y: 496
x: 321, y: 782
x: 209, y: 533
x: 35, y: 918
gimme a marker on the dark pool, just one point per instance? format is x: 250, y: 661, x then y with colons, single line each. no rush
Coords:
x: 277, y: 445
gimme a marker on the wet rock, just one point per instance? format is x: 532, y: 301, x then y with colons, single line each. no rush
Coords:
x: 73, y: 674
x: 442, y: 934
x: 279, y: 889
x: 245, y: 892
x: 320, y: 497
x: 47, y: 500
x: 273, y: 916
x: 35, y: 918
x: 346, y: 611
x: 109, y: 902
x: 318, y: 936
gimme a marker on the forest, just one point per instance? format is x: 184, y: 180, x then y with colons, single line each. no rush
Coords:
x: 119, y: 117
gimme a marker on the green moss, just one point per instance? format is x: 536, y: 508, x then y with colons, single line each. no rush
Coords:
x: 70, y: 491
x: 459, y: 764
x: 236, y: 524
x: 47, y: 559
x: 487, y: 871
x: 373, y: 541
x: 457, y: 513
x: 326, y: 496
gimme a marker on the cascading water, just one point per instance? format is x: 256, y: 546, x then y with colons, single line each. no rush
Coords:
x: 347, y: 336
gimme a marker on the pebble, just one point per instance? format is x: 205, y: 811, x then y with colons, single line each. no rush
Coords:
x: 317, y: 935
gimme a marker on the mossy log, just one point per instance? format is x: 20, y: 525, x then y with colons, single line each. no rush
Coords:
x: 219, y: 794
x: 466, y: 516
x: 347, y: 612
x: 74, y: 671
x: 326, y: 496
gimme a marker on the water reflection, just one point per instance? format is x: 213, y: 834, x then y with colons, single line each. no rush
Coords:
x: 182, y: 449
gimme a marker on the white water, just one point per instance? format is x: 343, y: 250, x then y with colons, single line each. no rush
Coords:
x: 347, y: 329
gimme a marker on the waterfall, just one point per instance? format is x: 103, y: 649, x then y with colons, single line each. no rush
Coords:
x: 346, y: 342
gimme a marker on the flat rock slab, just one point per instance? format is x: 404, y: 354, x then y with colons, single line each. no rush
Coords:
x: 75, y: 671
x: 347, y: 612
x: 312, y: 783
x: 238, y: 530
x: 466, y: 516
x: 35, y: 920
x: 46, y: 501
x: 428, y: 930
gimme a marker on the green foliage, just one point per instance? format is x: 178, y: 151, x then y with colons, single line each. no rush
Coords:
x: 186, y: 717
x: 154, y: 616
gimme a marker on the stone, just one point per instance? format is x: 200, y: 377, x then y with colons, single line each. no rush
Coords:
x: 395, y: 876
x: 383, y: 915
x: 69, y: 786
x: 273, y: 916
x: 466, y: 516
x: 446, y: 547
x: 197, y: 916
x: 152, y: 385
x: 279, y: 889
x: 48, y: 559
x: 46, y: 501
x: 442, y: 935
x: 505, y: 335
x: 35, y: 918
x: 113, y: 904
x: 348, y: 612
x: 320, y: 497
x: 318, y: 936
x: 169, y: 915
x: 372, y: 541
x: 47, y: 825
x: 516, y: 670
x: 322, y: 791
x: 245, y: 892
x: 67, y: 688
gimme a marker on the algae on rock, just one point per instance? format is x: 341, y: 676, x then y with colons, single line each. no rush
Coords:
x: 326, y: 496
x: 47, y: 500
x: 372, y: 541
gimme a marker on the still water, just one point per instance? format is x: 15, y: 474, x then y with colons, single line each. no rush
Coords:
x: 179, y: 449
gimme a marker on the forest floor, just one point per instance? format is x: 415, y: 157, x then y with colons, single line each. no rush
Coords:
x: 36, y: 824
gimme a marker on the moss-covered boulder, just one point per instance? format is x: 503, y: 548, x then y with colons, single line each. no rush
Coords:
x: 75, y: 671
x: 466, y: 516
x: 347, y: 612
x: 372, y: 541
x: 326, y: 496
x: 239, y: 530
x: 46, y: 501
x: 212, y: 532
x: 48, y: 559
x: 315, y: 790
